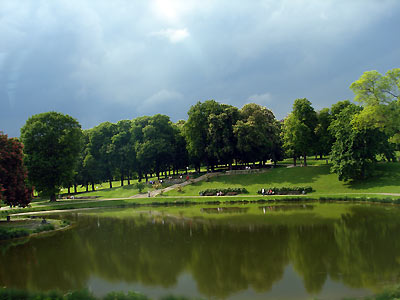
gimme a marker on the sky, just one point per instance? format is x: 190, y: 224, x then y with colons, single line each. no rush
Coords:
x: 101, y: 60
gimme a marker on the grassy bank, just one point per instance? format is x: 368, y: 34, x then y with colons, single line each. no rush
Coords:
x: 13, y: 294
x: 385, y: 180
x: 23, y: 227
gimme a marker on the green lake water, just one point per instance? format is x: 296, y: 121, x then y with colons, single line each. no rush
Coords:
x: 293, y: 251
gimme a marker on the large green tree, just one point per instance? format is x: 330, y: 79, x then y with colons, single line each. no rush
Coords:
x: 123, y: 151
x: 323, y: 136
x: 355, y: 150
x: 13, y: 177
x: 154, y: 139
x: 257, y: 134
x: 221, y: 146
x: 196, y: 131
x: 52, y: 142
x: 102, y: 152
x: 379, y: 95
x: 299, y: 130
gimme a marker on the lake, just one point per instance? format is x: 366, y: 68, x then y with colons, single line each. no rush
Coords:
x: 286, y: 251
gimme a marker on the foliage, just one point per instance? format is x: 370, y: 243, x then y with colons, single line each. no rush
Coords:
x: 354, y: 151
x: 140, y: 186
x: 299, y: 130
x: 123, y: 296
x: 287, y: 190
x: 323, y: 137
x: 379, y: 94
x: 13, y: 176
x: 224, y: 191
x: 44, y: 227
x: 52, y: 142
x: 11, y: 233
x: 258, y: 134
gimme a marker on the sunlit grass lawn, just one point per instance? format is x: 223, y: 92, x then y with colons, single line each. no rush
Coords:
x: 386, y: 180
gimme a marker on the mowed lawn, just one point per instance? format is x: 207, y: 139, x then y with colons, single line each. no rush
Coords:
x: 385, y: 180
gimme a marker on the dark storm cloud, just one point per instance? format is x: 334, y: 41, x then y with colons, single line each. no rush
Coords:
x: 106, y: 61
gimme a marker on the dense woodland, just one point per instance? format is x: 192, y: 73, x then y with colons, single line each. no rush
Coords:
x: 59, y: 154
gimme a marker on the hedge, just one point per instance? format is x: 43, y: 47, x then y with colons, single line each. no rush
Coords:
x: 227, y: 191
x: 294, y: 190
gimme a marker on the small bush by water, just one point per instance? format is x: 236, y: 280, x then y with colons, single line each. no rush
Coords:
x: 11, y: 233
x: 44, y: 227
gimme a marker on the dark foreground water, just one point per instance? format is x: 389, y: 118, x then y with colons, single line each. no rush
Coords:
x: 327, y: 251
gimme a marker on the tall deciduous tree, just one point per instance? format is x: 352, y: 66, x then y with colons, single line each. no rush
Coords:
x: 196, y: 131
x: 355, y: 149
x: 379, y: 95
x: 323, y: 136
x: 52, y: 142
x: 101, y: 150
x: 257, y: 134
x: 221, y: 147
x: 13, y: 177
x: 299, y: 130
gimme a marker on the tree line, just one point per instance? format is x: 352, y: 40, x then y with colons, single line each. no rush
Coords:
x: 59, y: 154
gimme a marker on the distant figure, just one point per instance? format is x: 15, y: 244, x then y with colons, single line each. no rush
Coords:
x: 263, y: 192
x: 148, y: 193
x: 187, y: 177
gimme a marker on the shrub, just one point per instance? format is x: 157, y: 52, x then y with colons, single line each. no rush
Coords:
x: 11, y: 233
x: 294, y: 190
x: 123, y: 296
x: 44, y: 227
x: 230, y: 191
x: 140, y: 186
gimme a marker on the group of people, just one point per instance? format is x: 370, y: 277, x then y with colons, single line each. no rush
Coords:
x: 269, y: 192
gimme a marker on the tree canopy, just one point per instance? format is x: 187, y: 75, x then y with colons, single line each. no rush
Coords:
x: 52, y: 142
x: 13, y: 177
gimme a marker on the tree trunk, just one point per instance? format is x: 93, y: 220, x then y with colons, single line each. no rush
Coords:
x: 305, y: 160
x: 294, y: 160
x: 75, y: 189
x: 93, y: 188
x: 129, y: 179
x: 87, y: 187
x: 53, y: 198
x: 122, y: 179
x: 69, y: 190
x: 110, y: 181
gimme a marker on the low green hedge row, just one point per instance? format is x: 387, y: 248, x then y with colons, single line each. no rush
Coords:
x: 293, y: 190
x: 232, y: 191
x: 11, y: 233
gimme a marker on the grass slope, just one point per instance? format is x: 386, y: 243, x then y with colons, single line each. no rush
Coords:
x: 385, y: 180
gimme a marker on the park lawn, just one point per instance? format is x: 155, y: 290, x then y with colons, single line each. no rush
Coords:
x: 116, y: 192
x: 385, y: 180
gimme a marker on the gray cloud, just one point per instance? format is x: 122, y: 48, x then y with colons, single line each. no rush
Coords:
x: 104, y: 61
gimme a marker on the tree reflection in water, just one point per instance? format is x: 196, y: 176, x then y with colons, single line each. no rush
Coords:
x: 224, y: 255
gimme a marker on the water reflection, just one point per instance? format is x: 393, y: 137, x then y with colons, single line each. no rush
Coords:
x: 224, y: 255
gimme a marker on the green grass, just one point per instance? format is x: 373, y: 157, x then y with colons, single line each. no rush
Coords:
x: 319, y: 178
